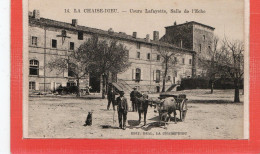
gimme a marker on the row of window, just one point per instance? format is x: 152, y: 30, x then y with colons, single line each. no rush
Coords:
x: 32, y: 85
x: 72, y: 46
x: 80, y: 34
x: 81, y: 37
x: 34, y: 42
x: 138, y: 44
x: 158, y: 58
x: 157, y: 76
x: 34, y: 70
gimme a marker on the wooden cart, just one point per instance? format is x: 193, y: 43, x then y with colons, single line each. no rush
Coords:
x: 181, y: 101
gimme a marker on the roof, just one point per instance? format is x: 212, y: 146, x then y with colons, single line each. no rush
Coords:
x: 122, y: 36
x: 192, y: 22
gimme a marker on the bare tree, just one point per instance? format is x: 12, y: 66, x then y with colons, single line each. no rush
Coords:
x: 75, y: 63
x: 168, y: 61
x: 232, y: 63
x: 210, y: 62
x: 105, y: 57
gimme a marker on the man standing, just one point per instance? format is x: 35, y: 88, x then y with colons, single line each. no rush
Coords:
x: 133, y: 96
x: 111, y: 98
x: 122, y: 109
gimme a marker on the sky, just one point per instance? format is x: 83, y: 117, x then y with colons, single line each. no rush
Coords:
x: 226, y: 16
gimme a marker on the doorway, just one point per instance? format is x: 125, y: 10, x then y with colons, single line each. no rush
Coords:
x: 94, y: 83
x: 157, y: 89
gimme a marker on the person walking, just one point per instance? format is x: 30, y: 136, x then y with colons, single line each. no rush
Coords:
x: 122, y: 109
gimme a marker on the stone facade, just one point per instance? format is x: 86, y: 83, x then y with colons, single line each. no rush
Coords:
x: 193, y: 36
x: 49, y: 39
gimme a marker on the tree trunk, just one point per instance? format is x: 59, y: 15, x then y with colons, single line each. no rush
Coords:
x: 78, y: 91
x: 103, y: 86
x: 163, y: 87
x: 212, y: 87
x: 164, y: 76
x: 236, y: 98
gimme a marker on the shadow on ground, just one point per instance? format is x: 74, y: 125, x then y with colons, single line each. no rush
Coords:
x: 108, y: 127
x: 213, y: 101
x: 66, y: 97
x: 135, y: 124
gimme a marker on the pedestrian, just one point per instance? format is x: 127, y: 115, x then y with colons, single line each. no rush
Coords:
x: 122, y: 109
x: 133, y: 96
x: 111, y: 98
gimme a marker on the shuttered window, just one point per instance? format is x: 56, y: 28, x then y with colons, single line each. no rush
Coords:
x: 138, y: 55
x: 34, y: 41
x: 138, y: 74
x: 158, y: 74
x: 32, y: 85
x: 34, y: 67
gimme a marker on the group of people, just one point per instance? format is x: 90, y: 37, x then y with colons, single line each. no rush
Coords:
x: 122, y: 105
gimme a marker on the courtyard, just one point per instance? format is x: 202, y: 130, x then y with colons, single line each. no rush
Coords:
x: 209, y: 116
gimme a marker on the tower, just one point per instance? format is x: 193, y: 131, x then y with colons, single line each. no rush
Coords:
x: 193, y: 36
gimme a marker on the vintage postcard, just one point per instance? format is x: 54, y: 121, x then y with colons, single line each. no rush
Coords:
x: 128, y: 69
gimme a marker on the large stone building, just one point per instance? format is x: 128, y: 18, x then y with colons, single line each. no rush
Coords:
x: 50, y: 39
x: 193, y: 36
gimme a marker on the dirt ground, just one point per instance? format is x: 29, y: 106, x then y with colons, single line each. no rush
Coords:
x: 209, y: 116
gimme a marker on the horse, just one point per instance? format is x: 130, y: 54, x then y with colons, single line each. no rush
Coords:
x: 142, y: 106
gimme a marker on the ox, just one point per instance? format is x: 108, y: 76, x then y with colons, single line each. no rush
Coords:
x: 142, y: 106
x: 166, y: 108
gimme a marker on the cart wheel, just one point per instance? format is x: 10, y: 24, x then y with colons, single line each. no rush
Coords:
x: 184, y: 110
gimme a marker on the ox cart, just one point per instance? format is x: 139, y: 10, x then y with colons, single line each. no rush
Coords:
x: 180, y: 104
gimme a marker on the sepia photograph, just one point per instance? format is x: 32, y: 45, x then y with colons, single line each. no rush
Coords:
x: 128, y: 69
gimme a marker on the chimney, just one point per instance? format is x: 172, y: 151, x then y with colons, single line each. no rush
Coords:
x: 30, y: 13
x: 147, y: 38
x: 134, y: 34
x: 175, y: 23
x: 36, y: 14
x: 110, y: 31
x: 156, y: 35
x: 74, y: 22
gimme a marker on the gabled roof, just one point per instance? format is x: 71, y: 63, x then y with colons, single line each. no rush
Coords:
x: 192, y: 22
x: 121, y: 36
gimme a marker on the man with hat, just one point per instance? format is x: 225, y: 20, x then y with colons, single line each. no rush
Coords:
x: 133, y: 96
x: 122, y: 109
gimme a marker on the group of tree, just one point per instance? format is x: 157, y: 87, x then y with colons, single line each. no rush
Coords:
x: 96, y: 56
x: 225, y: 58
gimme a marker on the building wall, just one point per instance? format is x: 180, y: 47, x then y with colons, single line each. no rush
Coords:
x: 44, y: 53
x: 194, y: 37
x: 202, y: 42
x: 50, y: 79
x: 148, y: 68
x: 181, y: 36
